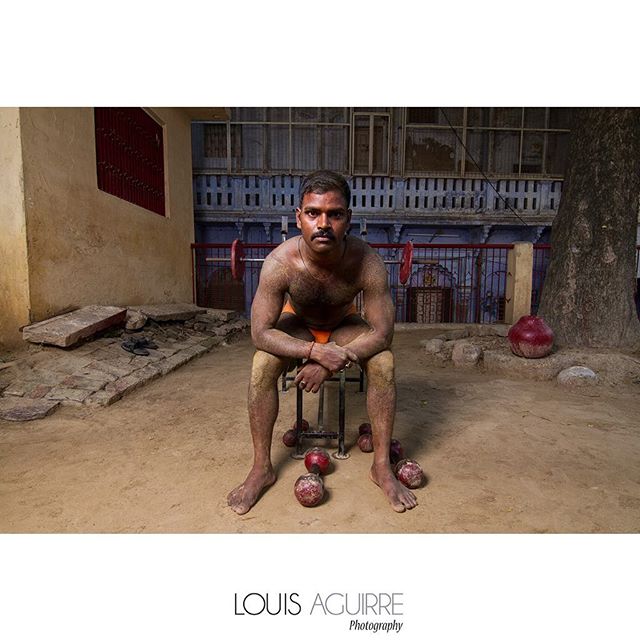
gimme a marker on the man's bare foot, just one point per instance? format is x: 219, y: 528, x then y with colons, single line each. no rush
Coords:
x: 398, y: 495
x: 245, y: 495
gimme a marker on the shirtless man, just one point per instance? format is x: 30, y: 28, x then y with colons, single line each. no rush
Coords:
x: 303, y: 309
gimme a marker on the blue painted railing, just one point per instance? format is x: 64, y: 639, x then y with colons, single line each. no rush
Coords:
x: 371, y: 194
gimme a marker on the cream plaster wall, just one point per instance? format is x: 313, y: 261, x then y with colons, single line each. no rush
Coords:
x: 14, y: 277
x: 89, y: 247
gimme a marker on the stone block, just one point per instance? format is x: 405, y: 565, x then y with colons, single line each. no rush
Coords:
x: 241, y: 324
x: 223, y: 315
x: 23, y: 409
x: 492, y: 330
x: 169, y: 312
x: 465, y: 354
x: 67, y: 364
x: 83, y: 382
x: 135, y: 320
x: 69, y: 328
x: 106, y: 367
x: 167, y: 351
x: 95, y: 374
x: 39, y: 391
x: 148, y: 373
x: 195, y: 350
x: 209, y: 343
x: 45, y: 376
x: 127, y: 364
x: 103, y: 398
x: 177, y: 360
x: 126, y: 384
x: 208, y: 319
x: 457, y: 334
x: 18, y: 388
x: 432, y: 346
x: 67, y: 396
x: 577, y: 376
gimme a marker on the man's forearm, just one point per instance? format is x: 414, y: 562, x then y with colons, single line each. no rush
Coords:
x: 279, y: 343
x: 370, y: 343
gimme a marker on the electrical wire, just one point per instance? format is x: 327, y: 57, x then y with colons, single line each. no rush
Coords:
x: 484, y: 175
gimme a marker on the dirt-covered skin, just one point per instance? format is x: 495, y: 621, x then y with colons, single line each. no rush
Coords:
x: 304, y: 309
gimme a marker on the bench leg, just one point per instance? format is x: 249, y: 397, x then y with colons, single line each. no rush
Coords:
x: 340, y: 454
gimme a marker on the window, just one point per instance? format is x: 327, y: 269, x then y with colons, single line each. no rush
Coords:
x: 215, y: 145
x: 279, y: 140
x: 130, y: 156
x: 471, y: 142
x: 509, y: 141
x: 370, y: 143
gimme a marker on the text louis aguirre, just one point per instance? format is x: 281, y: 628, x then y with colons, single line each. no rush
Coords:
x: 360, y: 607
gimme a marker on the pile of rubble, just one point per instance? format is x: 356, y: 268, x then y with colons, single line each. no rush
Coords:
x: 96, y: 355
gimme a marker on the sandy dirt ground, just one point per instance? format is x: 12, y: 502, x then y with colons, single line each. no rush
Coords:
x: 501, y: 455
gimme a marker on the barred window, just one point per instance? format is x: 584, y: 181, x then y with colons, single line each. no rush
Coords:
x: 130, y: 156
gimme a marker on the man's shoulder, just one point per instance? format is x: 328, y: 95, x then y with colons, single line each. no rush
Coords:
x: 284, y: 252
x: 364, y: 252
x: 282, y: 259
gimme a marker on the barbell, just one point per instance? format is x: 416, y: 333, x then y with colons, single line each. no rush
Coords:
x: 238, y: 261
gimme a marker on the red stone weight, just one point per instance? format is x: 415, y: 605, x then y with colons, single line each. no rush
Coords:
x: 365, y: 442
x: 237, y: 260
x: 365, y: 427
x: 309, y: 489
x: 317, y: 460
x: 409, y: 473
x: 531, y: 337
x: 406, y: 263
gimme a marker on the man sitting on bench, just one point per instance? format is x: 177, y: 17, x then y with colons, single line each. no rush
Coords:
x: 303, y: 309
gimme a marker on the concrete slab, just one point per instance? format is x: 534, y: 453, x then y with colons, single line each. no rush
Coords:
x: 169, y: 312
x: 69, y: 328
x: 22, y: 409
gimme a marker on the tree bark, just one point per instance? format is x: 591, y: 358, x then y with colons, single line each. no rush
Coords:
x: 587, y: 297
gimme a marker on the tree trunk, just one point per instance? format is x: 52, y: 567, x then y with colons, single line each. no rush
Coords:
x: 587, y: 297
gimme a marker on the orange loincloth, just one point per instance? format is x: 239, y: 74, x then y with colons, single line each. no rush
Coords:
x: 321, y: 336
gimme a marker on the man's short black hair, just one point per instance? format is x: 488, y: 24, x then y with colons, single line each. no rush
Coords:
x: 323, y: 182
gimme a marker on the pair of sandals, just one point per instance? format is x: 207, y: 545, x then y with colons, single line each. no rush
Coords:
x: 139, y: 346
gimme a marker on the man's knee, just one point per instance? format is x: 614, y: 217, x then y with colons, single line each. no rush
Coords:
x: 266, y: 368
x: 380, y: 368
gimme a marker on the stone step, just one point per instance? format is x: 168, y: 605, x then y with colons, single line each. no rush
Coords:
x: 69, y: 328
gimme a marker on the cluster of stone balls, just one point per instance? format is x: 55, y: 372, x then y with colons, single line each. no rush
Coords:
x: 309, y: 487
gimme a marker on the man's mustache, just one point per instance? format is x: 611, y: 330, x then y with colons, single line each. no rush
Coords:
x: 322, y: 234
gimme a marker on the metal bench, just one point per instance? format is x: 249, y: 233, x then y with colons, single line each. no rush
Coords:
x: 321, y: 432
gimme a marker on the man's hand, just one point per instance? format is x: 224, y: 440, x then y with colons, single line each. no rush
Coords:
x: 332, y: 357
x: 311, y: 376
